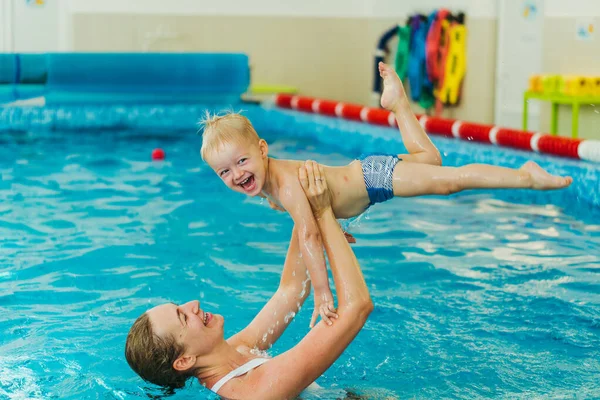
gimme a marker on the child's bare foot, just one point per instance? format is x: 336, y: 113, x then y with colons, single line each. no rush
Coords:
x: 542, y: 180
x: 393, y: 90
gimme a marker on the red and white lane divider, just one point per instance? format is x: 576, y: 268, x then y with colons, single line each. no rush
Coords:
x: 588, y: 150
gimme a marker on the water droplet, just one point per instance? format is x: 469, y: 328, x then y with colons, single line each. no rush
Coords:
x: 289, y: 316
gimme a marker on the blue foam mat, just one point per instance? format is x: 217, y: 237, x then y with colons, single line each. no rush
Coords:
x: 125, y: 78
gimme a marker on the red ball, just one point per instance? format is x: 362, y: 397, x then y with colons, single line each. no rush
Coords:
x: 158, y: 154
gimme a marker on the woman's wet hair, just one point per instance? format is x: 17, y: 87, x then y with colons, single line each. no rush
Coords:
x: 152, y: 356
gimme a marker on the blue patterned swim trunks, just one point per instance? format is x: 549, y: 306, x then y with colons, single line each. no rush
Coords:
x: 378, y: 172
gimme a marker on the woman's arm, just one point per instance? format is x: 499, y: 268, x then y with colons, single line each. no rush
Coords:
x: 289, y: 373
x: 275, y: 316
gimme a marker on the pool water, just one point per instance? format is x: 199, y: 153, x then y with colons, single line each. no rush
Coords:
x: 476, y: 296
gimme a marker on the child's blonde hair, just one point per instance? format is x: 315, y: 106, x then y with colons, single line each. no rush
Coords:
x: 221, y: 129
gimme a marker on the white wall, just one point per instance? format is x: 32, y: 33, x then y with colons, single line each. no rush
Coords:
x: 28, y: 26
x: 304, y: 8
x: 519, y: 54
x: 403, y: 8
x: 309, y: 8
x: 340, y: 8
x: 6, y: 44
x: 35, y: 27
x: 329, y: 8
x: 572, y: 8
x: 48, y: 28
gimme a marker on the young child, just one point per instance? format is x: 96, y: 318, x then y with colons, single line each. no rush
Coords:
x: 236, y: 153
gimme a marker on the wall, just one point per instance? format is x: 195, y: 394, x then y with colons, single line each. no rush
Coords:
x: 565, y: 54
x: 276, y: 55
x: 548, y: 47
x: 6, y: 26
x: 400, y: 9
x: 519, y: 52
x: 305, y: 8
x: 30, y: 26
x: 323, y: 48
x: 571, y: 8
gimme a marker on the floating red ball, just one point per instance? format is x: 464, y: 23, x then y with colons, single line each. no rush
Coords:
x: 158, y: 154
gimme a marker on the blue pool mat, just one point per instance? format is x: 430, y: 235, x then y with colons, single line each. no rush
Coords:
x: 23, y: 68
x: 124, y: 78
x: 145, y: 77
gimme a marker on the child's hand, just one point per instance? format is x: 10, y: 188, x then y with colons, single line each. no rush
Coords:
x: 323, y: 307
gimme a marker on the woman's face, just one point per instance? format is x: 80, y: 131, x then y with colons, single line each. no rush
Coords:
x: 197, y: 330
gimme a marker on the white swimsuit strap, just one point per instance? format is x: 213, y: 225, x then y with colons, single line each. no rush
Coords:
x: 239, y: 371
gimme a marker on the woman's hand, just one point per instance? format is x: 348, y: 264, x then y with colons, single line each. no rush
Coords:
x: 312, y: 179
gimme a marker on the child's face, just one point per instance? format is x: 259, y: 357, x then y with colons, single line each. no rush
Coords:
x: 241, y: 166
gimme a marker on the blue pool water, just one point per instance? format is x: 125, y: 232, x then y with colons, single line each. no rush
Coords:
x: 483, y: 294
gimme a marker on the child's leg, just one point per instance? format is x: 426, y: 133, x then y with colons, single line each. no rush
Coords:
x: 415, y: 179
x: 413, y: 135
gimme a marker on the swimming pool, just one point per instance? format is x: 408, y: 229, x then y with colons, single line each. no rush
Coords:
x: 483, y: 294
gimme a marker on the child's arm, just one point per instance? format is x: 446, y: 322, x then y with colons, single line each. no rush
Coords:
x: 294, y: 200
x: 274, y: 206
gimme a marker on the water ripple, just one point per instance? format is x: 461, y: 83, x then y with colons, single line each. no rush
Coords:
x: 478, y: 295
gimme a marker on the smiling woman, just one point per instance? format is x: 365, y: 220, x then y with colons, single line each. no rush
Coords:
x: 164, y: 332
x: 169, y: 344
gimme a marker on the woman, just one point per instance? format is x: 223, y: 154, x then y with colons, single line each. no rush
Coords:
x: 169, y: 343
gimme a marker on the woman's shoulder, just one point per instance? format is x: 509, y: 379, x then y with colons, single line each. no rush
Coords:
x: 243, y: 382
